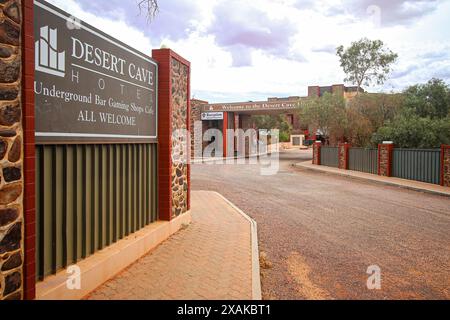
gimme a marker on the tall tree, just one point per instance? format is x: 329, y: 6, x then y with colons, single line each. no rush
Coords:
x: 326, y: 115
x: 268, y: 122
x: 366, y: 62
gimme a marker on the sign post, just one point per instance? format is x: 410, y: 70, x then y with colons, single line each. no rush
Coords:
x: 212, y: 116
x: 89, y: 87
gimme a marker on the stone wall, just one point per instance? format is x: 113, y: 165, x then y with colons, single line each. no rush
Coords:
x: 316, y: 153
x: 179, y: 79
x: 196, y: 131
x: 343, y: 151
x: 385, y: 159
x: 11, y: 160
x: 445, y: 166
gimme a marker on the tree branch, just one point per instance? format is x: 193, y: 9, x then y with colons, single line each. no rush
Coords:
x: 150, y: 7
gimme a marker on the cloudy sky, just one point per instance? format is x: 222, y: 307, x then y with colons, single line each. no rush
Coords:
x: 253, y: 49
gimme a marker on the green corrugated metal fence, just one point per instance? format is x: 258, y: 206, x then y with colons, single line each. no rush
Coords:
x: 417, y: 164
x: 364, y: 160
x: 90, y: 196
x: 329, y: 156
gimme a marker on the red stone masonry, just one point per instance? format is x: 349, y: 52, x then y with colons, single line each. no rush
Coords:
x: 316, y: 153
x: 385, y: 152
x: 17, y: 191
x: 196, y: 137
x: 445, y: 165
x: 188, y: 126
x: 29, y: 272
x: 165, y: 110
x: 343, y: 150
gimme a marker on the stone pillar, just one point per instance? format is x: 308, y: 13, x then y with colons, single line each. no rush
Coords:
x: 343, y: 155
x: 11, y: 152
x: 173, y: 149
x: 445, y: 165
x: 316, y: 152
x: 385, y: 151
x: 225, y: 134
x: 196, y: 128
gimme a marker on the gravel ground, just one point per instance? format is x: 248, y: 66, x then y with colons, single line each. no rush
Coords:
x: 319, y: 233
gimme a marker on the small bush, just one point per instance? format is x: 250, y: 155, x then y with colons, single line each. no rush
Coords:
x: 285, y: 137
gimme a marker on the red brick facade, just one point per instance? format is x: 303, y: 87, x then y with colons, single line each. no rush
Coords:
x: 29, y: 272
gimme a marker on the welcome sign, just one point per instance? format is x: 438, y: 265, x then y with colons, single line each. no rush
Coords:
x: 253, y: 106
x: 89, y: 87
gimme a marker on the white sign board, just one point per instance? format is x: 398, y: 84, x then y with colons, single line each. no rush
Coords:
x: 212, y: 116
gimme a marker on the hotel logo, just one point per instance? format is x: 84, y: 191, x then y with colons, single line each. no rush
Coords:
x: 47, y: 57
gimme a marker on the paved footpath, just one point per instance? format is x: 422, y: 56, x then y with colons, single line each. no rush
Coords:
x: 210, y: 259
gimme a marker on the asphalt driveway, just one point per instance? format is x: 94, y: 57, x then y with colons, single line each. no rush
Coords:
x: 319, y: 233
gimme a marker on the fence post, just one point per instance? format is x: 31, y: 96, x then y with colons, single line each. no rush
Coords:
x: 343, y: 155
x: 385, y: 151
x: 316, y: 152
x: 445, y: 165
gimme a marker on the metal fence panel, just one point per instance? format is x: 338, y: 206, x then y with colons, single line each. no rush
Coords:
x: 417, y: 164
x: 329, y: 156
x: 364, y: 160
x: 90, y: 196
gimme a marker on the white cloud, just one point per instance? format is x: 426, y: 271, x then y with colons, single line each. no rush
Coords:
x: 315, y: 29
x: 115, y: 27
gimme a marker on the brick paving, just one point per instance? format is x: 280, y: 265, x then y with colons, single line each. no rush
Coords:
x: 210, y: 259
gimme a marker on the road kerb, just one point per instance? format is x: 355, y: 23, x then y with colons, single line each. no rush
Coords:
x: 256, y: 276
x: 389, y: 181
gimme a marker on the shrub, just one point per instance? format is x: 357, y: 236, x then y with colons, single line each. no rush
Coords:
x: 412, y: 131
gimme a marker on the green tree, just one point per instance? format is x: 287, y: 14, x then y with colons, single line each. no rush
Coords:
x: 413, y: 131
x: 325, y: 114
x: 429, y: 100
x: 423, y: 121
x: 377, y: 108
x: 358, y: 130
x: 366, y: 113
x: 366, y: 61
x: 267, y: 122
x: 354, y: 121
